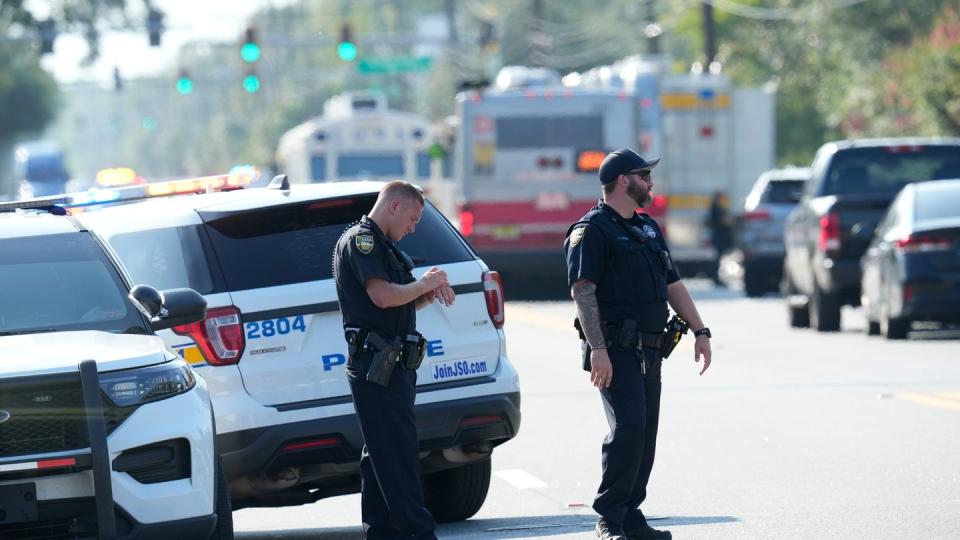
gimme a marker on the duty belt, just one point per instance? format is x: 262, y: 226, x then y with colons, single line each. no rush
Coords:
x: 624, y: 335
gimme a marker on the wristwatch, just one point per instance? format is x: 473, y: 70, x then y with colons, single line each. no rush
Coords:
x: 703, y: 332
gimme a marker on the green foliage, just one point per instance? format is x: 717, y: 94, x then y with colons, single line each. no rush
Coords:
x: 28, y: 94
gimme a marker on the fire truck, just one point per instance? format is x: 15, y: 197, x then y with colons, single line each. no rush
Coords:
x: 527, y: 155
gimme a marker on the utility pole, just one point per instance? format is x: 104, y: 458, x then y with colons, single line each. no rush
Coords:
x: 652, y: 30
x: 537, y: 35
x: 709, y: 33
x: 451, y: 11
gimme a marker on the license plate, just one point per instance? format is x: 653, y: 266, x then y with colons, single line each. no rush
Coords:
x: 18, y: 503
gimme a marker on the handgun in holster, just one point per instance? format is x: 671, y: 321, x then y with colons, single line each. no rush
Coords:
x: 675, y: 329
x: 386, y: 354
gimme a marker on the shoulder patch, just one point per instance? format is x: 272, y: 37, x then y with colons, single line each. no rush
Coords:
x: 364, y: 243
x: 650, y: 231
x: 577, y: 235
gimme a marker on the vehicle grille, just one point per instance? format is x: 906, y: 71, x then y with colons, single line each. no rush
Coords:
x: 46, y: 414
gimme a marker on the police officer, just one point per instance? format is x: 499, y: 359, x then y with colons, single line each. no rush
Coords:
x: 621, y: 278
x: 378, y: 299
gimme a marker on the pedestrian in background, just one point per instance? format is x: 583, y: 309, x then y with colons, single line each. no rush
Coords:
x: 378, y: 298
x: 621, y: 278
x: 721, y: 231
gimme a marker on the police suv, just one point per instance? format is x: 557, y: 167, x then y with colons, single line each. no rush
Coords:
x: 104, y: 430
x: 272, y: 348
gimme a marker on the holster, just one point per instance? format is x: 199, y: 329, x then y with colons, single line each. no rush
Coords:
x: 414, y: 348
x: 675, y: 329
x: 386, y: 354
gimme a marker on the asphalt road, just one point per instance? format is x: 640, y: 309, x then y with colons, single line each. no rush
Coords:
x: 790, y: 434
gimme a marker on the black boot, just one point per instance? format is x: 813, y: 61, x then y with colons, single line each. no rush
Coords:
x: 609, y: 532
x: 637, y: 528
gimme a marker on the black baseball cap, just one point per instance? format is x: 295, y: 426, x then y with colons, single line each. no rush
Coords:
x: 622, y: 162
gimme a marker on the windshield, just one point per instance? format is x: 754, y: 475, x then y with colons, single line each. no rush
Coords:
x: 886, y: 169
x: 61, y: 282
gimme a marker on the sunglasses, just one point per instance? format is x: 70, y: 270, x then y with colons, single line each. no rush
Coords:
x: 644, y: 174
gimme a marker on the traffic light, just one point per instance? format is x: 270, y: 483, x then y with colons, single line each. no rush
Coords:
x: 488, y: 37
x: 154, y: 26
x: 250, y: 49
x: 251, y: 83
x: 184, y: 83
x: 346, y: 48
x: 48, y: 34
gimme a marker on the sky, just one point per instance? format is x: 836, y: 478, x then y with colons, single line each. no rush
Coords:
x: 186, y: 20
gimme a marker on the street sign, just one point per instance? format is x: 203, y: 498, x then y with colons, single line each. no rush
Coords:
x: 396, y: 64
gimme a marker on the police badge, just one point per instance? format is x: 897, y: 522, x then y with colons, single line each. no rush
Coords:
x: 650, y: 231
x: 364, y: 243
x: 576, y: 235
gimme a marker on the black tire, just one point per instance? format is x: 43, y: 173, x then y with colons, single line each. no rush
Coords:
x: 798, y: 315
x: 457, y: 494
x: 224, y: 508
x: 893, y: 328
x: 873, y: 328
x: 824, y: 311
x: 752, y: 285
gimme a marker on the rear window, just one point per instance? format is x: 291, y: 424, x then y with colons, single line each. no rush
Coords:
x: 783, y: 191
x: 294, y: 243
x: 550, y: 132
x: 364, y: 165
x: 884, y: 170
x: 165, y: 258
x: 938, y: 203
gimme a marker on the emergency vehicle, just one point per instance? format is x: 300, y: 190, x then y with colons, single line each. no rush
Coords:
x: 105, y: 432
x: 271, y: 347
x: 358, y: 137
x: 527, y: 156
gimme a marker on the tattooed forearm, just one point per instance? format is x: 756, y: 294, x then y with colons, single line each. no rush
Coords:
x: 584, y: 295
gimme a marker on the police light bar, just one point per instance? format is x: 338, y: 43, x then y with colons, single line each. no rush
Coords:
x: 40, y: 203
x: 205, y: 184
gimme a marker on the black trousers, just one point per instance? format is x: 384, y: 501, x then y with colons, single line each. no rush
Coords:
x: 632, y: 405
x: 391, y: 492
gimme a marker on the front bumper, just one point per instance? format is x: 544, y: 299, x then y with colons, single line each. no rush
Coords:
x: 72, y: 476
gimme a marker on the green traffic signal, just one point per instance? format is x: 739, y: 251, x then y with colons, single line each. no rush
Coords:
x: 347, y: 51
x: 250, y: 52
x: 251, y: 83
x: 184, y: 85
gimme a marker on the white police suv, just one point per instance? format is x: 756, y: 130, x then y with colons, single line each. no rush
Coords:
x: 104, y: 430
x: 272, y: 350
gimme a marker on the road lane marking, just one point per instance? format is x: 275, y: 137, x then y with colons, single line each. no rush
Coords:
x: 521, y: 479
x: 932, y: 400
x: 950, y: 395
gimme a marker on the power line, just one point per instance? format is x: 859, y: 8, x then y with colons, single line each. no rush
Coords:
x: 776, y: 14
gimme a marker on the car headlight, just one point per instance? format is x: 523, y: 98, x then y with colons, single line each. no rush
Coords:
x: 143, y: 385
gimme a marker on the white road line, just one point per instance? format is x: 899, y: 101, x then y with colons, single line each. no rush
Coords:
x: 521, y: 479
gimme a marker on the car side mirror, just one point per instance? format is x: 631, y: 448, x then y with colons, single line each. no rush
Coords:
x: 171, y: 307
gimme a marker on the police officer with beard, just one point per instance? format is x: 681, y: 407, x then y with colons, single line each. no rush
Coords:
x: 378, y: 299
x: 621, y: 278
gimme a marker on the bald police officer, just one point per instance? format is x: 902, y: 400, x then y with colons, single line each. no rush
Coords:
x: 621, y: 278
x: 378, y: 299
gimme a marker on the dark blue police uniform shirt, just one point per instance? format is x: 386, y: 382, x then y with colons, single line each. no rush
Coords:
x: 364, y: 252
x: 631, y: 276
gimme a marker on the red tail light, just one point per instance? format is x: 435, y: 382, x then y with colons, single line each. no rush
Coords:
x: 830, y: 232
x: 921, y: 243
x: 756, y: 215
x: 219, y: 335
x: 493, y: 292
x: 466, y: 222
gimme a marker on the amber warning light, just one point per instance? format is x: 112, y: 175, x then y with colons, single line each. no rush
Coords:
x: 590, y: 160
